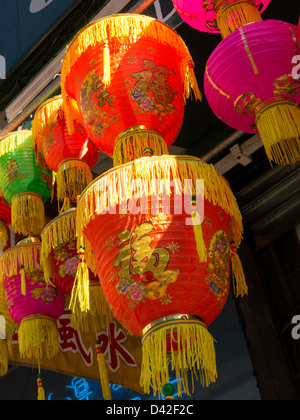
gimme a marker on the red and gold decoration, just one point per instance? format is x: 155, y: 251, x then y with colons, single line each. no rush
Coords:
x: 130, y: 76
x: 26, y: 183
x: 165, y: 272
x: 71, y: 157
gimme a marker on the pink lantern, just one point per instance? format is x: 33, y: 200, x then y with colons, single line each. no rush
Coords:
x: 31, y: 303
x: 215, y: 16
x: 249, y: 85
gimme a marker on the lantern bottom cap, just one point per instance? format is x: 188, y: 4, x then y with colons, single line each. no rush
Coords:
x: 180, y: 343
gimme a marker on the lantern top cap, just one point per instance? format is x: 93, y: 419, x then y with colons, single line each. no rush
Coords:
x: 14, y: 140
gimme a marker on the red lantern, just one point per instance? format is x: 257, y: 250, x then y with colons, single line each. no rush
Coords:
x: 5, y: 221
x: 60, y: 261
x: 165, y: 275
x: 129, y: 75
x: 70, y: 156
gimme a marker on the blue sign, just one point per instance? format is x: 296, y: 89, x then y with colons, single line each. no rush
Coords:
x: 24, y: 22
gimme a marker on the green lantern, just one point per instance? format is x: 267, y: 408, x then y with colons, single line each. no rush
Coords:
x: 26, y: 182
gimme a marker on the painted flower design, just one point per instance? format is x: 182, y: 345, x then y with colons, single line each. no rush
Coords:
x: 71, y: 265
x: 137, y: 94
x: 147, y: 104
x: 123, y: 286
x: 137, y: 292
x: 222, y: 244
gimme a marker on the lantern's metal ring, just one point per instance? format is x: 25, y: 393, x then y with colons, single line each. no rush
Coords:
x: 172, y: 318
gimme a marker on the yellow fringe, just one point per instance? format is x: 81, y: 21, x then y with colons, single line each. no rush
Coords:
x: 196, y: 354
x: 12, y: 259
x: 73, y: 176
x: 27, y: 213
x: 38, y: 334
x: 115, y: 187
x: 103, y: 373
x: 236, y: 14
x: 81, y: 288
x: 46, y: 115
x: 239, y: 282
x: 16, y: 140
x: 114, y: 29
x: 99, y: 315
x: 3, y: 234
x: 279, y: 126
x: 106, y: 63
x: 133, y: 144
x: 3, y: 357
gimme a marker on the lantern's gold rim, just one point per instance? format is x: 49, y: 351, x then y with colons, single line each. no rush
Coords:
x: 172, y: 318
x: 30, y: 240
x: 60, y: 216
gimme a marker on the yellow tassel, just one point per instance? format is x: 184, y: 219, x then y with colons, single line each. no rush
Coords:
x: 99, y: 315
x: 103, y: 373
x: 235, y: 14
x: 278, y: 123
x: 3, y: 357
x: 106, y: 64
x: 197, y: 226
x: 27, y: 213
x: 23, y: 280
x: 195, y: 352
x: 41, y: 391
x: 81, y: 291
x: 239, y: 281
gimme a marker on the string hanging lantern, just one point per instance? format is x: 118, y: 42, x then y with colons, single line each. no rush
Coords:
x: 249, y: 85
x: 129, y: 76
x: 220, y: 16
x: 26, y: 183
x: 71, y: 157
x: 165, y: 279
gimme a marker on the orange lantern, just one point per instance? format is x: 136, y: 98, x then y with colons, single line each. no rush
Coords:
x: 165, y: 274
x: 129, y: 75
x: 71, y: 157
